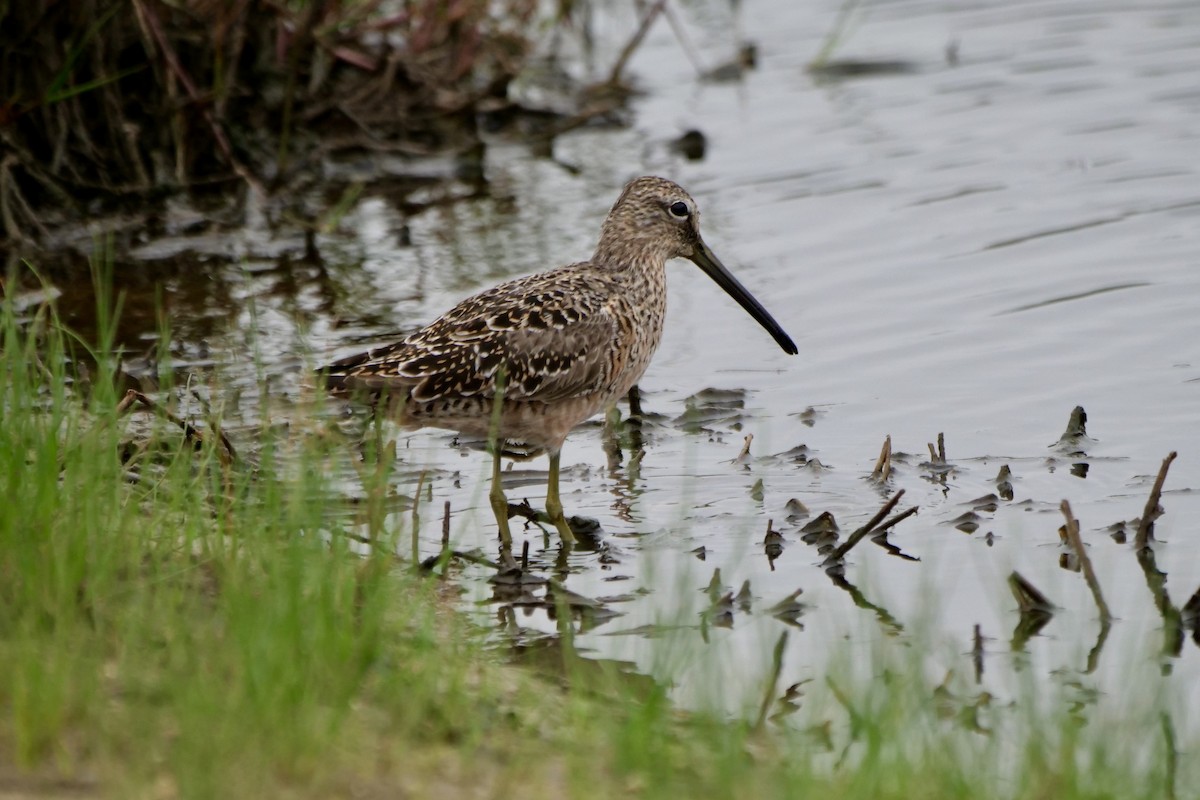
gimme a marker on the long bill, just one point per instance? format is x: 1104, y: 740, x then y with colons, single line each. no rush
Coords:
x: 706, y: 260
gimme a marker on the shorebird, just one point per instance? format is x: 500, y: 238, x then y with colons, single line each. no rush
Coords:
x: 526, y: 361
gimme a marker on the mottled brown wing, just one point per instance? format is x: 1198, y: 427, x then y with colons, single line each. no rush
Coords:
x: 550, y: 332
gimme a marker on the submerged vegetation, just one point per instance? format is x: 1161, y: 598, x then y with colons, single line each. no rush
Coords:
x: 181, y: 615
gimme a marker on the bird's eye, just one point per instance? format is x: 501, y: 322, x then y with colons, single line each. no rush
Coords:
x: 680, y: 209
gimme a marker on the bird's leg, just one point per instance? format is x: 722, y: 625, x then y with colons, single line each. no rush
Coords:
x: 496, y: 496
x: 496, y: 442
x: 554, y: 509
x: 635, y: 402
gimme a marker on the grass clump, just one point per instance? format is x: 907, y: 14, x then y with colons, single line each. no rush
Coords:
x: 176, y: 626
x: 164, y: 617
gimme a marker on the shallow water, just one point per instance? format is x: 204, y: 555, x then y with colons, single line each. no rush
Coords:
x: 970, y: 248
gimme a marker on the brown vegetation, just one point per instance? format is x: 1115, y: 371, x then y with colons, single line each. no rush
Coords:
x: 103, y: 104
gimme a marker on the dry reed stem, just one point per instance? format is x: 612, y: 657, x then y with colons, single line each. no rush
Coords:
x: 446, y: 526
x: 150, y: 20
x: 416, y: 520
x: 635, y: 41
x: 938, y: 456
x: 1085, y: 562
x: 883, y: 464
x: 226, y: 452
x: 840, y: 552
x: 891, y: 522
x: 745, y: 452
x: 1146, y: 524
x: 475, y: 558
x: 977, y: 652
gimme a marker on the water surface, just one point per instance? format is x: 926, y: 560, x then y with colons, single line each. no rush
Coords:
x: 974, y: 247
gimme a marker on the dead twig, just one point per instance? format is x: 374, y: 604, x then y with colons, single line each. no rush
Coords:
x: 1085, y: 563
x: 938, y: 456
x: 977, y: 652
x: 891, y: 522
x: 440, y: 561
x: 614, y: 77
x: 1152, y: 511
x: 840, y: 551
x: 225, y: 452
x: 883, y: 465
x: 446, y: 526
x: 416, y: 520
x: 473, y: 558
